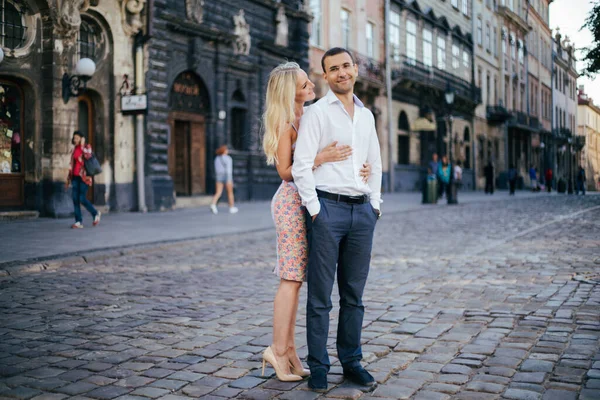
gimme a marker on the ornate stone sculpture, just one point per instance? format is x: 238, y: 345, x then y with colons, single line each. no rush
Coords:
x: 194, y: 10
x: 282, y: 27
x: 131, y: 11
x: 66, y: 15
x: 242, y: 31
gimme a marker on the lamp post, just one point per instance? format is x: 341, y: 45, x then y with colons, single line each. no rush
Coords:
x: 449, y: 97
x: 570, y: 181
x: 74, y: 85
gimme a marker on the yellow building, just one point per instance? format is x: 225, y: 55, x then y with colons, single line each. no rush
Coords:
x: 588, y: 128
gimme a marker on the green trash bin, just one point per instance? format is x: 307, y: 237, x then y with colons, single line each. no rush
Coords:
x: 430, y: 191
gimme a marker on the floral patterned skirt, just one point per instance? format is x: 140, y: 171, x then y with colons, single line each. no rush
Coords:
x: 290, y: 226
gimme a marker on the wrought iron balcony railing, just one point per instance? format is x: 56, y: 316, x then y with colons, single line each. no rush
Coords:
x: 369, y: 68
x: 497, y: 113
x: 405, y: 68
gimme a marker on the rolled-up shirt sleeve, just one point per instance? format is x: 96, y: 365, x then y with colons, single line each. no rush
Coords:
x: 307, y: 146
x: 374, y: 158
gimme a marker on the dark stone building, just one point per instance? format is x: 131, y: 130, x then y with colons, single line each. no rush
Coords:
x: 208, y: 65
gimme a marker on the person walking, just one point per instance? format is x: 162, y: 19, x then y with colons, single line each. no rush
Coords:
x: 488, y: 171
x: 580, y: 184
x: 342, y: 211
x: 533, y: 178
x: 434, y: 165
x: 288, y: 89
x: 224, y: 179
x: 549, y: 179
x: 512, y: 179
x: 443, y: 174
x: 79, y: 180
x: 458, y: 173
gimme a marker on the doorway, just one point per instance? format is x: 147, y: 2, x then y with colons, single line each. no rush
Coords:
x: 187, y: 154
x: 85, y: 124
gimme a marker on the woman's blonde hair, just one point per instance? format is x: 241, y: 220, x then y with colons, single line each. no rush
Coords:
x: 279, y: 110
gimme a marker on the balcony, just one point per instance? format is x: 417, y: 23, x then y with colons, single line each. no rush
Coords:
x: 369, y: 69
x: 497, y: 114
x: 414, y: 71
x: 534, y: 123
x: 579, y: 142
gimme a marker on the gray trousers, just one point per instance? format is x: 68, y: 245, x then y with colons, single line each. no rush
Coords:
x: 340, y: 240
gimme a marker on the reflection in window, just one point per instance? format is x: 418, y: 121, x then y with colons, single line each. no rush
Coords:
x: 395, y: 35
x: 441, y: 52
x: 11, y: 134
x: 12, y: 28
x: 427, y: 48
x: 315, y: 8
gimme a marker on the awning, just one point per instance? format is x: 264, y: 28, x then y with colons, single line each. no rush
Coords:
x: 423, y: 124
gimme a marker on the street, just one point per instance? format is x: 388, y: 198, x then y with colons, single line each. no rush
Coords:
x: 484, y: 300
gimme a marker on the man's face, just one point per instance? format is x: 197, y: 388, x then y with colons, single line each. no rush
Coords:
x: 434, y: 157
x: 340, y: 73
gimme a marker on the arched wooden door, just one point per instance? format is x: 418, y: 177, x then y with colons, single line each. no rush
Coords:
x: 85, y: 119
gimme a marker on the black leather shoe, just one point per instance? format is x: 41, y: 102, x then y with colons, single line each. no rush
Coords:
x: 359, y: 375
x: 318, y: 380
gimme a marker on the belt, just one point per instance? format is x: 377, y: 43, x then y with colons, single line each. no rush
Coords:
x: 343, y: 198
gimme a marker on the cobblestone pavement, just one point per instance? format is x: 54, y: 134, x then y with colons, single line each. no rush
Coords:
x: 480, y: 301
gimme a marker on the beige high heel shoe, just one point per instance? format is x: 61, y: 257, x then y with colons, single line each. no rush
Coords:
x: 303, y: 372
x: 269, y: 357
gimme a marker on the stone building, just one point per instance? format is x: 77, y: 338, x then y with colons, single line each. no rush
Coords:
x: 42, y: 41
x: 208, y: 65
x: 358, y: 26
x: 432, y: 50
x: 491, y: 114
x: 565, y: 103
x: 588, y: 128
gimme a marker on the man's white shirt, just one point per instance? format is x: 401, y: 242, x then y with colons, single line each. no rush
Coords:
x: 327, y: 121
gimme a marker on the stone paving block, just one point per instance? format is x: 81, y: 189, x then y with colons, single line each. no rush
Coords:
x: 99, y: 380
x: 488, y: 387
x: 589, y: 394
x: 22, y: 392
x: 258, y: 394
x: 456, y: 369
x: 108, y: 392
x: 170, y: 384
x: 134, y: 382
x: 507, y: 362
x: 150, y: 392
x: 197, y: 390
x: 442, y: 388
x: 519, y: 394
x: 537, y: 366
x: 593, y: 384
x: 532, y: 387
x: 500, y: 380
x: 501, y: 371
x: 50, y: 396
x: 344, y: 393
x: 394, y: 392
x: 157, y: 373
x: 430, y: 395
x: 299, y: 395
x: 77, y: 388
x: 477, y: 349
x: 553, y: 394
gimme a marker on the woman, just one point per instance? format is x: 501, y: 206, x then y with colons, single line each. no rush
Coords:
x: 224, y: 175
x: 444, y: 177
x: 287, y: 91
x: 80, y: 181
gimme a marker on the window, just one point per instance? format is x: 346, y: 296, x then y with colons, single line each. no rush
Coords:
x: 403, y: 149
x: 465, y: 7
x: 521, y: 52
x: 11, y: 25
x: 504, y: 38
x: 411, y: 40
x: 454, y: 3
x: 513, y: 46
x: 488, y: 90
x: 479, y: 31
x: 455, y: 58
x: 395, y: 35
x: 495, y: 43
x: 316, y: 38
x: 495, y: 90
x: 488, y: 38
x: 441, y: 52
x: 238, y: 128
x: 479, y: 76
x: 345, y: 18
x: 466, y: 65
x: 427, y: 48
x: 87, y: 41
x: 370, y: 33
x: 11, y: 134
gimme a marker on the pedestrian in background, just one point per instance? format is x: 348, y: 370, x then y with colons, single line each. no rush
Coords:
x: 443, y: 174
x: 512, y: 179
x: 287, y: 91
x: 80, y: 181
x: 224, y: 178
x: 580, y: 185
x: 458, y: 173
x: 434, y: 165
x: 549, y: 179
x: 533, y: 178
x: 488, y: 171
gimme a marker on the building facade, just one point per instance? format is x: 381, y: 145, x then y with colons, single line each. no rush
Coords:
x: 432, y: 51
x: 207, y: 71
x: 565, y: 103
x: 588, y: 129
x: 42, y: 42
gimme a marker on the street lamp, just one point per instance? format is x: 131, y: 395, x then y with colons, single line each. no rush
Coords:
x: 449, y: 97
x: 72, y: 86
x: 570, y: 182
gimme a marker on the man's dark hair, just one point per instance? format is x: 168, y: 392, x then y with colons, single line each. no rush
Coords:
x: 334, y: 52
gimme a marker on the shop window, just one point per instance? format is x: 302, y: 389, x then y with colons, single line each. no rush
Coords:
x: 11, y: 130
x: 238, y: 128
x: 12, y: 25
x: 403, y: 149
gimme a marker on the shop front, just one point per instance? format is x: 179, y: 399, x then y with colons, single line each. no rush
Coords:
x: 12, y: 174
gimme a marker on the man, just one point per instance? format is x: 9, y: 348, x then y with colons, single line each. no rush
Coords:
x: 512, y: 179
x: 533, y: 178
x: 580, y: 185
x: 434, y: 164
x: 341, y: 214
x: 488, y: 171
x: 549, y: 179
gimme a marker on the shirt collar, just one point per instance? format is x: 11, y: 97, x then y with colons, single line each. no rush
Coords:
x: 332, y: 98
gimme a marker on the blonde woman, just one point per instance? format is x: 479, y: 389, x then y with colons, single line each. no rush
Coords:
x: 287, y: 91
